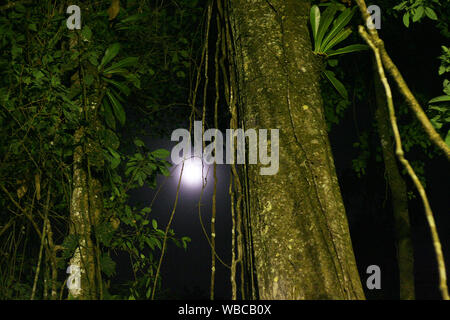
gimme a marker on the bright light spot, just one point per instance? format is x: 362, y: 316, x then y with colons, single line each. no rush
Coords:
x: 192, y: 172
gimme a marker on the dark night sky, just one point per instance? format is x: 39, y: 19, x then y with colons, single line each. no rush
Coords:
x: 187, y: 273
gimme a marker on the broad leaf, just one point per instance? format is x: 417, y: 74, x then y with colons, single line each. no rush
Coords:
x: 124, y: 63
x: 325, y: 22
x: 122, y: 87
x: 339, y: 24
x: 108, y: 114
x: 161, y: 153
x: 348, y: 49
x: 117, y: 107
x: 110, y: 54
x: 315, y: 20
x: 440, y: 99
x: 406, y: 19
x: 418, y: 14
x: 430, y: 13
x: 341, y: 36
x: 336, y: 83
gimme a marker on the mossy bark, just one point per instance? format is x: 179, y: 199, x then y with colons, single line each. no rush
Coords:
x: 301, y: 239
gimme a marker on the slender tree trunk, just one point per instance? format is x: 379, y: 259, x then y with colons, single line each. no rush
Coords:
x: 86, y: 202
x: 80, y: 225
x: 397, y: 185
x: 300, y: 232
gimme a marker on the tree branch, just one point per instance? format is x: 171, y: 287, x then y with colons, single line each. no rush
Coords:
x: 400, y: 154
x: 403, y: 87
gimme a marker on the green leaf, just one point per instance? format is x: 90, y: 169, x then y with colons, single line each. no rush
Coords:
x: 109, y: 139
x: 114, y: 153
x: 115, y: 159
x: 117, y: 107
x: 120, y: 71
x: 434, y: 121
x: 164, y: 171
x: 430, y: 13
x: 146, y: 210
x: 418, y: 14
x: 161, y: 153
x: 440, y: 99
x: 132, y: 18
x: 86, y: 33
x: 332, y: 62
x: 339, y: 38
x: 315, y: 20
x: 108, y: 114
x: 15, y: 51
x: 122, y: 87
x: 124, y: 63
x: 134, y: 79
x: 185, y: 241
x: 110, y: 53
x: 150, y: 243
x: 104, y: 233
x: 93, y: 59
x: 139, y: 142
x: 107, y: 265
x: 38, y: 74
x: 406, y: 19
x: 400, y: 6
x: 325, y: 22
x: 32, y: 26
x: 88, y: 79
x: 348, y: 49
x: 336, y: 83
x: 158, y: 243
x: 69, y: 245
x: 342, y: 20
x: 154, y: 224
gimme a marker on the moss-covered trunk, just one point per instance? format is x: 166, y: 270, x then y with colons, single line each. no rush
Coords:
x: 81, y: 226
x: 301, y: 239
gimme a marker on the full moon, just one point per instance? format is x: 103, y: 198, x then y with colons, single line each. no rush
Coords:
x: 192, y: 172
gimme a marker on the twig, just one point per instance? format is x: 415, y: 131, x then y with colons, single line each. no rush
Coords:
x: 166, y: 233
x: 44, y: 228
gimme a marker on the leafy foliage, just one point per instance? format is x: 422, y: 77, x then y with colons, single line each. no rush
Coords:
x: 54, y: 83
x: 440, y: 106
x: 327, y: 32
x: 416, y: 10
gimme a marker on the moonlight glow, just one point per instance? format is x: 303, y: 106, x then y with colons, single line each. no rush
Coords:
x: 192, y: 172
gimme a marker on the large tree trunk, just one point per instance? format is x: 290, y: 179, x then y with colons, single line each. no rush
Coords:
x: 301, y: 239
x: 397, y: 185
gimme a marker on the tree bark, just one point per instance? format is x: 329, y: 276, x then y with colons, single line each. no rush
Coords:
x: 397, y: 185
x: 300, y: 232
x: 86, y: 202
x: 81, y: 225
